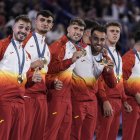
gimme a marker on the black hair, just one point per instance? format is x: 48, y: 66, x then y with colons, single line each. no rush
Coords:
x: 113, y: 23
x: 99, y: 27
x: 137, y: 36
x: 45, y: 13
x: 24, y: 18
x: 90, y: 23
x: 77, y: 21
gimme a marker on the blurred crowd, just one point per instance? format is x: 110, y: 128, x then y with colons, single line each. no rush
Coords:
x: 127, y: 12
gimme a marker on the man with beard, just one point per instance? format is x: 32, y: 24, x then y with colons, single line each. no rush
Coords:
x: 64, y: 53
x: 85, y: 74
x: 111, y: 99
x: 14, y: 63
x: 35, y: 97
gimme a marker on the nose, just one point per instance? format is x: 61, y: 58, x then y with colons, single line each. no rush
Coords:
x: 116, y: 32
x: 99, y: 42
x: 24, y: 32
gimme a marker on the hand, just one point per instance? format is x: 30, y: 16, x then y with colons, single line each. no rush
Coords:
x: 127, y: 107
x: 58, y: 84
x: 104, y: 52
x: 137, y: 97
x: 37, y: 76
x: 77, y: 55
x: 84, y: 52
x: 37, y: 64
x: 109, y: 65
x: 107, y: 108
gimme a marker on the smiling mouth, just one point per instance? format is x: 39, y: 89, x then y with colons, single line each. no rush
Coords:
x: 22, y: 36
x: 98, y: 46
x: 77, y: 36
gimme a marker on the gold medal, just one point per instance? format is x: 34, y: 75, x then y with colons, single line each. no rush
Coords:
x: 118, y: 78
x: 104, y: 61
x: 44, y: 60
x: 83, y: 51
x: 20, y: 79
x: 43, y: 70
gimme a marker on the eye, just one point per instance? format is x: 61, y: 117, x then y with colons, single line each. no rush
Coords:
x: 112, y: 31
x: 76, y: 28
x: 20, y: 27
x: 42, y: 19
x: 27, y: 28
x: 95, y: 38
x: 49, y: 21
x: 82, y: 30
x: 102, y: 39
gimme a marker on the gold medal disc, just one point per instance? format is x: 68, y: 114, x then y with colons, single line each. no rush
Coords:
x: 20, y: 79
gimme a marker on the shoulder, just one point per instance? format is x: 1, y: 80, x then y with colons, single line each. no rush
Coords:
x: 3, y: 45
x: 129, y: 55
x: 55, y: 47
x: 5, y: 42
x: 27, y: 39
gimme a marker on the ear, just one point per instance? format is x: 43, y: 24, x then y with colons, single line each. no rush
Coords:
x: 90, y: 38
x: 88, y: 33
x: 35, y: 21
x: 13, y: 27
x: 68, y: 29
x: 52, y: 25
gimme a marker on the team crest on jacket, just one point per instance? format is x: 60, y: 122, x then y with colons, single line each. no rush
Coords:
x: 31, y: 46
x: 11, y: 52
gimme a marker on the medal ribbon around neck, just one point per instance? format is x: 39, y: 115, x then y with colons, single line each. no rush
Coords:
x: 20, y: 64
x: 40, y: 54
x: 119, y: 61
x: 136, y: 53
x: 79, y: 47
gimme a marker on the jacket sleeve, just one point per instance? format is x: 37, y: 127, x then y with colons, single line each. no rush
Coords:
x: 3, y: 46
x: 29, y: 75
x: 57, y: 50
x: 109, y: 76
x: 50, y: 81
x: 101, y: 89
x: 128, y: 64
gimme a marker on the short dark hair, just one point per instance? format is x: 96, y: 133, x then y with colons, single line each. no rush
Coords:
x: 137, y: 36
x: 24, y: 18
x: 77, y: 21
x: 90, y: 23
x: 45, y: 13
x: 113, y: 23
x: 99, y: 28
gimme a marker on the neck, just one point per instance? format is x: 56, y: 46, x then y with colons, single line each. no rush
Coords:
x: 95, y: 53
x: 111, y: 44
x: 74, y: 42
x: 43, y: 34
x: 17, y: 40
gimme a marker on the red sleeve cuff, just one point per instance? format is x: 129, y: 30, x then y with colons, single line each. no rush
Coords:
x: 104, y: 99
x: 68, y: 62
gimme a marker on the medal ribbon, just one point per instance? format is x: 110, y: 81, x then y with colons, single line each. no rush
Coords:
x: 20, y: 64
x: 136, y: 53
x: 119, y: 61
x: 40, y: 54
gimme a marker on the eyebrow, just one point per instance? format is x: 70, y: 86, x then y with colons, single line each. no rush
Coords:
x: 21, y: 24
